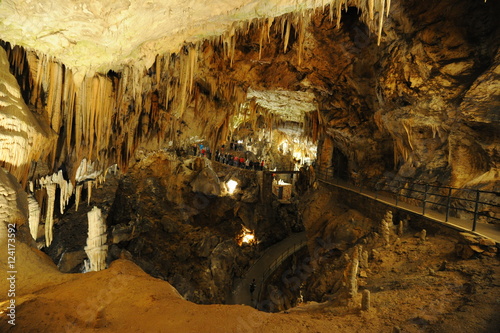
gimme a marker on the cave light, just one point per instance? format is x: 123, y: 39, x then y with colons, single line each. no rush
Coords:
x: 281, y: 182
x: 231, y: 186
x: 247, y: 236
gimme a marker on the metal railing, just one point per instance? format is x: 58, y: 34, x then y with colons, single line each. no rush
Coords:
x: 443, y: 199
x: 277, y: 263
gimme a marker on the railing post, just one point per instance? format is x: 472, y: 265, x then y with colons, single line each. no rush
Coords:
x: 475, y: 210
x: 425, y: 198
x: 448, y: 205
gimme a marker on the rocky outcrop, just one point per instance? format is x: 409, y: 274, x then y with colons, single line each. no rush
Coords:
x: 168, y: 220
x: 470, y: 245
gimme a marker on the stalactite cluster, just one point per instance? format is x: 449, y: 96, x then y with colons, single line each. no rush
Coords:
x: 104, y: 117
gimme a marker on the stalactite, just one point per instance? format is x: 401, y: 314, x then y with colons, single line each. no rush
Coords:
x: 86, y: 114
x: 49, y: 217
x: 370, y: 9
x: 302, y: 23
x: 34, y: 216
x: 286, y: 38
x: 339, y: 12
x: 89, y: 191
x: 381, y: 20
x: 66, y: 187
x: 78, y: 194
x: 261, y: 40
x: 96, y: 249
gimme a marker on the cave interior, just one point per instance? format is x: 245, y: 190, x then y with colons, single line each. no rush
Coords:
x: 185, y: 141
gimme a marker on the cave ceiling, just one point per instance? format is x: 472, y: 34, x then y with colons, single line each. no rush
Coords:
x: 288, y: 105
x: 414, y: 82
x: 101, y: 35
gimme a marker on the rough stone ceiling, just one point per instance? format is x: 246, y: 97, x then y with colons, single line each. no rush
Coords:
x: 90, y: 36
x: 288, y: 105
x: 100, y: 34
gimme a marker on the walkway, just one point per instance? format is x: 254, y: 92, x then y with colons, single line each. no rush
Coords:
x: 270, y: 260
x: 484, y: 229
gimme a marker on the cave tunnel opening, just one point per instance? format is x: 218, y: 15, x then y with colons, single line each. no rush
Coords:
x: 340, y: 164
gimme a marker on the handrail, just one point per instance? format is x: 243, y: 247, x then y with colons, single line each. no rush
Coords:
x: 277, y: 262
x: 424, y: 194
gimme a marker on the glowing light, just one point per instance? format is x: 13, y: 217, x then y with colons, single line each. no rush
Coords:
x: 246, y: 237
x: 231, y: 186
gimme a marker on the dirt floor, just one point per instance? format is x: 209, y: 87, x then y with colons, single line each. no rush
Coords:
x: 412, y: 289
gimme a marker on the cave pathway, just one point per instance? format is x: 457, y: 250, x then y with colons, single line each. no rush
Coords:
x: 268, y: 262
x: 487, y: 230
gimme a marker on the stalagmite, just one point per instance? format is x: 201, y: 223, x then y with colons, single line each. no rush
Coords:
x: 352, y: 279
x: 34, y: 216
x: 400, y: 228
x: 365, y: 300
x: 423, y: 236
x: 96, y: 249
x: 363, y: 259
x: 49, y: 217
x: 385, y: 230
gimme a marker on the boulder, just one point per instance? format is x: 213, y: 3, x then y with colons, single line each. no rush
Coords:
x: 206, y: 182
x: 120, y: 233
x: 70, y: 261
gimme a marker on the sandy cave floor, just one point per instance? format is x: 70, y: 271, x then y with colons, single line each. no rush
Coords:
x: 408, y: 290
